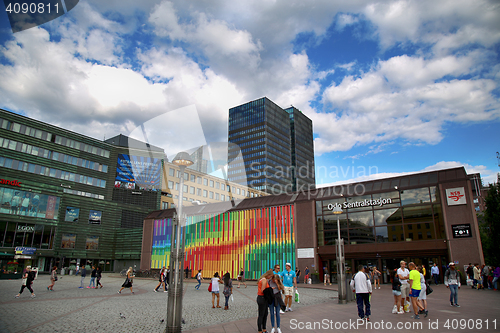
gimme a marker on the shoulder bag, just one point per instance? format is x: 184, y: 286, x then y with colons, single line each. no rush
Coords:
x: 210, y: 287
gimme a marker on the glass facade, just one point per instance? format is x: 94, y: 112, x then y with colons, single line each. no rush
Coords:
x: 409, y: 215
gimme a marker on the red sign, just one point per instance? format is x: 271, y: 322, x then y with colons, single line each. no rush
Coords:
x: 51, y: 207
x: 10, y: 182
x: 455, y: 196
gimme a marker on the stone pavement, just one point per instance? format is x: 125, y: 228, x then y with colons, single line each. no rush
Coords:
x: 479, y: 311
x: 69, y: 309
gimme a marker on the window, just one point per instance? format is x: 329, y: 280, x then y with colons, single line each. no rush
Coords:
x: 205, y: 193
x: 211, y: 183
x: 186, y: 176
x: 171, y: 172
x: 243, y: 192
x: 193, y: 178
x: 170, y: 184
x: 217, y: 196
x: 223, y: 187
x: 205, y: 181
x: 191, y: 190
x: 184, y: 188
x: 178, y: 174
x: 211, y: 195
x: 177, y: 186
x: 217, y: 185
x: 198, y: 192
x: 198, y: 180
x: 222, y: 197
x: 238, y: 191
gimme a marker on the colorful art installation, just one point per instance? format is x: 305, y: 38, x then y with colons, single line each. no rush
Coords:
x: 255, y: 239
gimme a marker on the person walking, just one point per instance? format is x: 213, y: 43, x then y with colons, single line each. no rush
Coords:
x: 470, y: 272
x: 477, y: 277
x: 228, y: 289
x: 289, y: 281
x: 485, y: 271
x: 362, y: 287
x: 27, y: 281
x: 435, y: 273
x: 326, y: 276
x: 415, y: 289
x: 262, y: 302
x: 275, y: 308
x: 166, y: 279
x: 496, y: 276
x: 199, y: 278
x: 93, y: 275
x: 83, y: 273
x: 215, y: 289
x: 376, y: 277
x: 452, y: 281
x: 160, y: 279
x: 99, y: 276
x: 128, y: 281
x: 396, y: 292
x: 422, y: 298
x: 297, y: 274
x: 306, y: 276
x: 404, y: 275
x: 241, y: 277
x: 53, y: 278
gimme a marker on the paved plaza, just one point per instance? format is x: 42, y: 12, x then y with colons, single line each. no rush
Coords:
x: 69, y: 309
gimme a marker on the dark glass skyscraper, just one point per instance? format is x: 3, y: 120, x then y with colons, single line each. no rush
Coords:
x: 273, y: 143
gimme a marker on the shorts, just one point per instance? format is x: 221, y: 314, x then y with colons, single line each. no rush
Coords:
x: 396, y: 293
x: 405, y: 290
x: 415, y: 293
x: 288, y: 291
x: 215, y: 292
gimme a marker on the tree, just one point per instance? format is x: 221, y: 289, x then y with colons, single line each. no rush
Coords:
x: 489, y: 227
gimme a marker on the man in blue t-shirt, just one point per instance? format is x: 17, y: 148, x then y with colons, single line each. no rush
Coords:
x: 289, y: 281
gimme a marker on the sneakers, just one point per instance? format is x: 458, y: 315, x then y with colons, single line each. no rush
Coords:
x: 451, y: 304
x: 290, y: 309
x: 273, y: 331
x: 378, y: 287
x: 401, y: 312
x: 119, y: 292
x: 88, y: 287
x: 33, y: 295
x: 426, y: 313
x: 367, y: 318
x: 416, y: 316
x: 155, y: 290
x: 278, y: 330
x: 17, y: 296
x: 395, y: 309
x: 281, y: 311
x: 165, y: 291
x: 80, y: 287
x: 456, y: 305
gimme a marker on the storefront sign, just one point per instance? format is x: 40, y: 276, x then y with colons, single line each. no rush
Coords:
x: 461, y: 230
x: 10, y: 182
x: 363, y: 203
x: 25, y: 228
x: 25, y: 250
x: 456, y: 196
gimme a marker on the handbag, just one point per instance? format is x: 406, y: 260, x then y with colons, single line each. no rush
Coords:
x: 210, y: 287
x: 55, y: 277
x: 24, y: 281
x: 428, y: 290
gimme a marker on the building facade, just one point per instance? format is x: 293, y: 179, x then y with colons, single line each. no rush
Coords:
x: 62, y: 202
x: 426, y: 218
x: 268, y: 146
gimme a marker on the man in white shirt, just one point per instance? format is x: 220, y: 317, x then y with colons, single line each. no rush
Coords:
x: 404, y: 275
x: 435, y: 273
x: 361, y: 285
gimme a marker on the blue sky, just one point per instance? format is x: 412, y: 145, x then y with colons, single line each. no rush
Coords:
x: 391, y: 86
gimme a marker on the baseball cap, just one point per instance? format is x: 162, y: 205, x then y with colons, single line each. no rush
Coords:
x: 288, y: 264
x: 451, y: 263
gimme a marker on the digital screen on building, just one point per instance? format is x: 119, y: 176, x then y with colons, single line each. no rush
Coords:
x: 144, y: 172
x: 72, y: 214
x: 92, y: 243
x: 461, y: 230
x: 68, y: 241
x: 95, y: 217
x: 26, y: 203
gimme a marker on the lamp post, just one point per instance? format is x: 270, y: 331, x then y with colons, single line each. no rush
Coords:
x: 340, y: 259
x: 174, y: 306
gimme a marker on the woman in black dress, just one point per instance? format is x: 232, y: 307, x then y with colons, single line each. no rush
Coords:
x: 128, y: 281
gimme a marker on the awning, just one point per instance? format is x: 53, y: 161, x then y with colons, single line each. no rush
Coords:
x: 6, y: 254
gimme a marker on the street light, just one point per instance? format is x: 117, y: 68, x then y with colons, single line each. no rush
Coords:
x: 340, y: 259
x: 174, y: 306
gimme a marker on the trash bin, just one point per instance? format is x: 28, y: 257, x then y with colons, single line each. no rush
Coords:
x: 63, y: 271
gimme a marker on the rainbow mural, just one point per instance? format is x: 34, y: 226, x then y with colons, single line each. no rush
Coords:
x: 255, y: 239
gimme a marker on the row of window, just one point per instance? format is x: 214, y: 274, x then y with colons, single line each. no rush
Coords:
x: 246, y: 137
x: 49, y: 154
x: 250, y: 130
x: 46, y: 136
x: 84, y: 194
x: 200, y: 192
x: 14, y: 234
x: 50, y: 172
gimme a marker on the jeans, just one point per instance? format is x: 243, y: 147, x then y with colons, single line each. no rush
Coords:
x: 436, y: 278
x: 81, y: 281
x: 454, y: 293
x: 227, y: 299
x: 198, y: 285
x: 275, y: 308
x: 495, y: 282
x: 263, y: 310
x: 92, y: 281
x: 360, y: 298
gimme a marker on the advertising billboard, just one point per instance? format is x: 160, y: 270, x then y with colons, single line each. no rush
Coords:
x: 140, y: 171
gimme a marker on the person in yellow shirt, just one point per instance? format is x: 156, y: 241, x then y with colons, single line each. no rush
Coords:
x: 415, y: 289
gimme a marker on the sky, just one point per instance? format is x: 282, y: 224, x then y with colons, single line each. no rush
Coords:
x: 392, y: 87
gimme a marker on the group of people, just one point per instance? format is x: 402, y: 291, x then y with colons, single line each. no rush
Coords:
x: 484, y: 277
x: 163, y: 279
x: 95, y: 274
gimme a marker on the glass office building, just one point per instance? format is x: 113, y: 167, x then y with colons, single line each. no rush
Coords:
x: 266, y: 135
